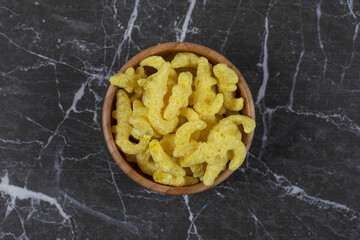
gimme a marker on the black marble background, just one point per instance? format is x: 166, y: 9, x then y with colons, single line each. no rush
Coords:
x: 301, y: 179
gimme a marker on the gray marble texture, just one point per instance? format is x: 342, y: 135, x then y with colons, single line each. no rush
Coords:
x: 301, y: 179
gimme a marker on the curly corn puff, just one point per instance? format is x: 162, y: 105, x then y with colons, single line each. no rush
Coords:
x: 189, y: 114
x: 155, y: 88
x: 177, y: 115
x: 180, y: 95
x: 227, y: 80
x: 185, y: 60
x: 206, y: 101
x: 156, y: 62
x: 163, y: 161
x: 128, y: 80
x: 224, y: 137
x: 161, y: 125
x: 145, y: 162
x: 138, y: 119
x: 228, y: 133
x: 183, y: 144
x: 212, y: 171
x: 248, y: 123
x: 122, y: 129
x: 198, y: 170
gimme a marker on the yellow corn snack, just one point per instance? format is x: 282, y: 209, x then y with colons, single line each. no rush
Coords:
x: 153, y: 61
x: 224, y: 137
x: 227, y: 80
x: 206, y: 101
x: 156, y: 62
x: 185, y: 60
x: 138, y: 119
x: 128, y: 80
x: 184, y: 117
x: 145, y: 162
x: 170, y: 84
x: 155, y: 89
x: 183, y: 144
x: 212, y: 171
x: 122, y: 129
x: 163, y: 161
x: 189, y: 114
x: 228, y: 134
x: 180, y: 95
x: 198, y: 170
x: 161, y: 125
x: 247, y: 123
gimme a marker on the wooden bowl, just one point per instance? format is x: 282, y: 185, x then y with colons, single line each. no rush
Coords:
x: 168, y: 51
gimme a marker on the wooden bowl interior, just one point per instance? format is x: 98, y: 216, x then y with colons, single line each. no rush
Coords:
x: 168, y: 51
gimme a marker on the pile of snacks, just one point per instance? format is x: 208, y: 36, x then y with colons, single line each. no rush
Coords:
x: 180, y: 124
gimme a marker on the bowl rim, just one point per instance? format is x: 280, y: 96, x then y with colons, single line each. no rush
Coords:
x: 213, y: 56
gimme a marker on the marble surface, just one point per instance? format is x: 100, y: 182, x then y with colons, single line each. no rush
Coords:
x: 301, y: 179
